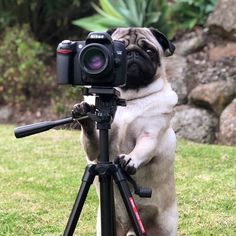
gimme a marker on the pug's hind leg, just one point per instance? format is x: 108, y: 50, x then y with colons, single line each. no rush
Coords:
x: 165, y: 224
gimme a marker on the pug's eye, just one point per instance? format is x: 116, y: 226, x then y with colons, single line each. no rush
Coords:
x: 150, y: 52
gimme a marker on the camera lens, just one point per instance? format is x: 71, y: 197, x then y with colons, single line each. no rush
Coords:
x: 95, y: 60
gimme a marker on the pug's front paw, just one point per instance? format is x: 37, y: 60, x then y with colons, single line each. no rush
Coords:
x: 126, y: 163
x: 81, y: 109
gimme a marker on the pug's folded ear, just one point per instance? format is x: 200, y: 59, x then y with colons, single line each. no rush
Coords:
x: 168, y: 46
x: 111, y: 31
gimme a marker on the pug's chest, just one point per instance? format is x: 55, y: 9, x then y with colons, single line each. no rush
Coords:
x: 126, y: 127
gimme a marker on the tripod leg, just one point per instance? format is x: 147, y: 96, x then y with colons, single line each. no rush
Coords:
x: 107, y: 206
x: 106, y: 186
x: 87, y: 180
x: 128, y: 200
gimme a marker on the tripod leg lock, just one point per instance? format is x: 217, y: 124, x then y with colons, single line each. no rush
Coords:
x: 142, y: 192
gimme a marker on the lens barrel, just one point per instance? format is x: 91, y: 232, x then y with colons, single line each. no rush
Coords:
x: 95, y: 60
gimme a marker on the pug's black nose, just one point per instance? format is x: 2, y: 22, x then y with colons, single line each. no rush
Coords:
x: 131, y: 54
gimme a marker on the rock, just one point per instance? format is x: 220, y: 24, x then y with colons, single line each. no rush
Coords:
x: 227, y: 132
x: 191, y: 45
x: 215, y: 96
x: 175, y: 70
x: 201, y: 70
x: 195, y: 124
x: 220, y: 52
x: 5, y: 114
x: 223, y: 19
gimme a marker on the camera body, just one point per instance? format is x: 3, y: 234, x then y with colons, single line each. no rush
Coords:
x: 97, y: 61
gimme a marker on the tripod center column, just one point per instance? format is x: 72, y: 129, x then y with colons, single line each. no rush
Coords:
x: 104, y: 146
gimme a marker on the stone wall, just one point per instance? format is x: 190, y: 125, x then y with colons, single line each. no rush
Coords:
x: 204, y: 77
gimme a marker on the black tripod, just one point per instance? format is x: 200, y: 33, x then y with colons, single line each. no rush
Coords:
x: 106, y: 104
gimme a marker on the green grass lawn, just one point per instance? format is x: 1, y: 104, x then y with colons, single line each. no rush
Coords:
x: 40, y: 176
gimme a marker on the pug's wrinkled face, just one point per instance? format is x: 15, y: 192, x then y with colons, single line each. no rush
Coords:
x: 144, y: 54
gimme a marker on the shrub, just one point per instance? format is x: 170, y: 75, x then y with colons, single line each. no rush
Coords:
x: 27, y: 74
x: 168, y: 16
x: 23, y: 73
x: 50, y: 21
x: 132, y: 13
x: 190, y: 13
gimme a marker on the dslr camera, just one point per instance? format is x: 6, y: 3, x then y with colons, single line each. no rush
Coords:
x: 97, y: 61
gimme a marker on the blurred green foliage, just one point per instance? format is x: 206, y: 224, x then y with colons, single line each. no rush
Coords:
x: 132, y: 13
x: 49, y: 20
x: 64, y: 97
x: 24, y: 74
x: 120, y: 13
x: 27, y: 77
x: 164, y: 15
x: 189, y: 13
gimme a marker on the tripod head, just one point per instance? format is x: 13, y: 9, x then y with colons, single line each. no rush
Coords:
x: 107, y: 100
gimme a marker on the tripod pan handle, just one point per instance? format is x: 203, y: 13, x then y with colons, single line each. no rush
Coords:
x: 27, y: 130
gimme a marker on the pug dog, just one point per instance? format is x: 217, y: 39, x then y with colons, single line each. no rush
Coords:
x: 141, y: 137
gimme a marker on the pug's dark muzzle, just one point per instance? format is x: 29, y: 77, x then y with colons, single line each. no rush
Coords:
x: 140, y: 70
